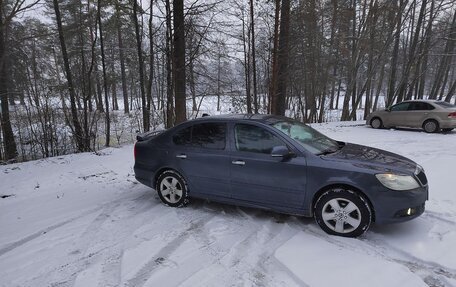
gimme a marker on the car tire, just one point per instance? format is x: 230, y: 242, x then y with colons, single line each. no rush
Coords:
x: 431, y: 126
x: 376, y: 123
x: 172, y: 189
x: 343, y: 212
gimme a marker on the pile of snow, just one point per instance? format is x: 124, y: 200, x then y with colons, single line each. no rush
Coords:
x: 82, y: 220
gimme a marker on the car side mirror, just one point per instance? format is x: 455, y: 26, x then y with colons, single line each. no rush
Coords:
x: 281, y: 151
x: 388, y: 109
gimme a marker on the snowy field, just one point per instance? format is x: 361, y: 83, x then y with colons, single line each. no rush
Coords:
x: 82, y: 220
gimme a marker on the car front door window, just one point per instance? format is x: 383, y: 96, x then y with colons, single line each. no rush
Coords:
x: 400, y: 107
x: 250, y: 138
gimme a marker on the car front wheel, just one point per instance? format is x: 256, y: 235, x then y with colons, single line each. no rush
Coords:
x: 172, y: 189
x: 343, y: 212
x: 376, y: 123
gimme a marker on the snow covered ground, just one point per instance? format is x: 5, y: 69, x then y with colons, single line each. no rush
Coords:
x: 82, y: 220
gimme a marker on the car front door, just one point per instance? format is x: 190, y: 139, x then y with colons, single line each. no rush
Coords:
x: 397, y: 117
x: 259, y: 178
x: 200, y: 155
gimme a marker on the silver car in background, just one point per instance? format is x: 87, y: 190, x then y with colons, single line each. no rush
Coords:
x: 430, y: 115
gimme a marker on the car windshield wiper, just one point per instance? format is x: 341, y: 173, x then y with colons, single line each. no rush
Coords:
x: 328, y: 151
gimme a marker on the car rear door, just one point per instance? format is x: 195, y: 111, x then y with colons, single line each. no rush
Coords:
x: 259, y: 178
x: 201, y: 156
x: 418, y: 112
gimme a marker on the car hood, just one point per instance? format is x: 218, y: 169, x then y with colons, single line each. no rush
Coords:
x: 372, y: 158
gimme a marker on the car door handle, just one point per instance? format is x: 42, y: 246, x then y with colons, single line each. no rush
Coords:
x: 238, y: 162
x: 182, y: 156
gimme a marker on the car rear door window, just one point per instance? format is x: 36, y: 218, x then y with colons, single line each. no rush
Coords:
x: 250, y: 138
x: 204, y: 135
x: 420, y: 106
x: 209, y: 135
x: 183, y: 136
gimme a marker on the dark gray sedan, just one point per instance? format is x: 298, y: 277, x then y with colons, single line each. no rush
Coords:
x: 430, y: 115
x: 280, y: 164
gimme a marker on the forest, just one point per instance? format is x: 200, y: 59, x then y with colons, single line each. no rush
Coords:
x: 77, y: 76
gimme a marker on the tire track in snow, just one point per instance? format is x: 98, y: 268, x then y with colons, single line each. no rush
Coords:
x: 248, y: 260
x: 130, y: 217
x: 110, y: 275
x: 44, y: 231
x: 431, y: 273
x: 140, y: 278
x: 18, y: 243
x: 428, y: 271
x: 96, y: 232
x: 439, y: 217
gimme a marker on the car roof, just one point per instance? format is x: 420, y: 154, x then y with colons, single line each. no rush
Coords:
x: 264, y: 118
x: 422, y: 101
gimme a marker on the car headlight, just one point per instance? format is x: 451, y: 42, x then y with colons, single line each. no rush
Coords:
x: 397, y: 182
x: 418, y: 169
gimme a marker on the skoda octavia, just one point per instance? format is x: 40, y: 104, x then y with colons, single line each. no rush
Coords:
x: 281, y: 164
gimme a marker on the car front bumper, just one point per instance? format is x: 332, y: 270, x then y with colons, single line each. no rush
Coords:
x: 398, y: 206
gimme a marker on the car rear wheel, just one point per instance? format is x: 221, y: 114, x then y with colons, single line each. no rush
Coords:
x: 376, y: 123
x: 172, y: 189
x: 431, y: 126
x: 343, y: 212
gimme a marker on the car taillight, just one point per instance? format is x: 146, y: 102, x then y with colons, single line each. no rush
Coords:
x: 452, y: 115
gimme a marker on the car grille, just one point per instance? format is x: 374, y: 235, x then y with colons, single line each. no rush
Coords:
x: 422, y: 178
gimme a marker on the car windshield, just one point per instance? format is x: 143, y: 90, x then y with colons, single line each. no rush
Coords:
x: 306, y: 136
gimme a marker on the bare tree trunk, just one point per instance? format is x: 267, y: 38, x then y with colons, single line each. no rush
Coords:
x: 179, y: 61
x: 5, y: 123
x: 445, y: 61
x: 191, y: 70
x: 352, y: 72
x: 412, y: 55
x: 379, y: 86
x: 115, y: 104
x: 282, y: 75
x: 451, y: 91
x: 122, y: 60
x: 273, y: 82
x: 105, y: 82
x: 427, y: 44
x: 99, y: 91
x: 246, y: 67
x: 146, y: 123
x: 397, y: 37
x: 334, y: 54
x: 255, y: 93
x: 150, y: 100
x: 169, y: 77
x: 76, y: 125
x: 219, y: 56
